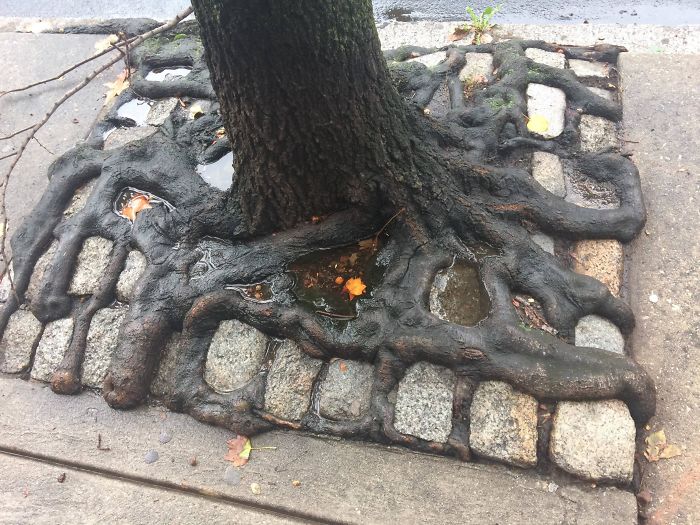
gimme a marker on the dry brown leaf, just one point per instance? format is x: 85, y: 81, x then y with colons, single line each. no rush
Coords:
x: 659, y: 448
x: 238, y: 450
x: 106, y: 43
x: 367, y: 244
x: 117, y: 87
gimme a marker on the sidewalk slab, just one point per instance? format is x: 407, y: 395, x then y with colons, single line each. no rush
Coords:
x: 38, y: 493
x: 340, y: 480
x: 661, y: 103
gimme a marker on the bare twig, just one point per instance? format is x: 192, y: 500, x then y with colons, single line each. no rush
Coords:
x: 36, y: 127
x: 8, y: 155
x: 45, y: 148
x: 111, y: 48
x: 15, y: 133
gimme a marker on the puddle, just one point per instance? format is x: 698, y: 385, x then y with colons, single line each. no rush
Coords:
x: 322, y: 278
x: 164, y: 74
x: 459, y: 296
x: 219, y: 173
x: 136, y: 110
x: 257, y: 292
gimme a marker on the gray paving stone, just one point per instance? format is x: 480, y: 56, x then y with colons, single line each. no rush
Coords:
x: 163, y: 381
x: 548, y: 171
x: 431, y: 60
x: 424, y: 402
x: 160, y: 111
x: 18, y: 340
x: 345, y: 392
x: 134, y: 268
x: 550, y: 103
x: 543, y: 241
x: 584, y: 68
x: 597, y: 332
x: 51, y: 349
x: 504, y: 424
x: 79, y: 199
x: 547, y: 58
x: 290, y: 381
x: 90, y: 266
x: 123, y: 136
x: 594, y: 440
x: 102, y: 340
x: 597, y: 133
x: 38, y: 274
x: 603, y: 93
x: 235, y: 355
x: 478, y: 66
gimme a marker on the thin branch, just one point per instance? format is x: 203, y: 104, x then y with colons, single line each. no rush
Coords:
x: 111, y: 48
x: 8, y: 155
x: 36, y: 127
x: 15, y: 133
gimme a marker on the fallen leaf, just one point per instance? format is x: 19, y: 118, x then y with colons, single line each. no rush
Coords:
x: 538, y: 124
x: 339, y: 280
x: 342, y: 366
x: 118, y: 86
x: 136, y: 204
x: 658, y: 448
x: 355, y: 287
x: 367, y: 244
x: 106, y: 43
x: 238, y: 450
x: 196, y: 111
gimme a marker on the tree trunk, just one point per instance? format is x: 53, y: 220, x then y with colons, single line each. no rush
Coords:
x: 308, y: 103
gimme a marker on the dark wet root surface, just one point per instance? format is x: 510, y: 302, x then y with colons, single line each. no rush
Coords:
x: 476, y: 198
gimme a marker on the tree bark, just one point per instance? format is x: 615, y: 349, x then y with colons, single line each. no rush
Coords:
x: 308, y: 103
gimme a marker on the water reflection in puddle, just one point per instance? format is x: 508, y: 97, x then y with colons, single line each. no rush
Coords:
x: 458, y: 295
x: 165, y: 74
x: 218, y: 174
x: 136, y: 110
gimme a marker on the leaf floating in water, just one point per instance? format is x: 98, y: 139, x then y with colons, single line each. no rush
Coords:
x: 131, y: 201
x: 538, y: 124
x: 135, y: 205
x: 355, y: 287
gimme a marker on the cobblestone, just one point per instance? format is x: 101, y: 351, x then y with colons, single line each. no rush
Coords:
x: 164, y: 379
x: 345, y: 392
x: 478, y: 66
x: 90, y: 266
x: 431, y: 60
x: 123, y: 136
x: 134, y: 268
x: 51, y: 349
x: 550, y: 103
x: 17, y: 342
x: 424, y: 402
x: 597, y: 332
x: 80, y: 197
x: 601, y: 259
x: 102, y: 340
x: 584, y: 68
x: 598, y: 134
x: 547, y: 58
x: 548, y: 171
x: 40, y: 268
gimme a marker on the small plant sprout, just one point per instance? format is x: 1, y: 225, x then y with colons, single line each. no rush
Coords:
x: 481, y: 23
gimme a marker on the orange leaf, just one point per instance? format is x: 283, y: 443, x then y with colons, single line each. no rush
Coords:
x: 136, y: 204
x: 238, y: 450
x: 354, y: 287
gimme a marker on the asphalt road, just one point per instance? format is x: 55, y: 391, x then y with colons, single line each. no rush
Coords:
x: 662, y: 12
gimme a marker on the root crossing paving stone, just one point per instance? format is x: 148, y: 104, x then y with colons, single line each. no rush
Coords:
x: 550, y: 103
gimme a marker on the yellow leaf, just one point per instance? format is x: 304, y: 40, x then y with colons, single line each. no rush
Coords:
x: 670, y: 451
x: 538, y: 124
x: 106, y: 43
x: 117, y: 87
x: 247, y: 447
x: 354, y: 287
x: 196, y: 111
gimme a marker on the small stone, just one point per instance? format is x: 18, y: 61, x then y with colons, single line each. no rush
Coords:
x: 236, y: 353
x: 431, y: 60
x: 255, y: 488
x: 90, y: 266
x: 549, y: 103
x: 160, y: 111
x: 80, y: 197
x: 603, y: 93
x: 345, y: 392
x: 478, y: 66
x: 424, y: 402
x: 296, y: 483
x: 135, y: 266
x: 51, y: 349
x: 602, y: 260
x: 543, y: 241
x: 548, y: 171
x: 123, y: 136
x: 597, y: 332
x: 6, y: 284
x: 232, y: 475
x: 598, y: 134
x: 17, y: 342
x: 163, y: 382
x: 548, y: 58
x: 101, y: 344
x: 289, y: 382
x: 165, y: 437
x: 552, y: 487
x: 61, y: 477
x: 193, y: 461
x: 584, y: 68
x: 594, y: 440
x: 40, y: 268
x: 653, y: 297
x: 151, y: 457
x: 504, y: 424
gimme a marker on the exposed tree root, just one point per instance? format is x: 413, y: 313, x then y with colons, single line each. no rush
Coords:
x: 474, y: 197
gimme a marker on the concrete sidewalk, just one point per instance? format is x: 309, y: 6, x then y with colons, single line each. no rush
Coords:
x: 43, y: 435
